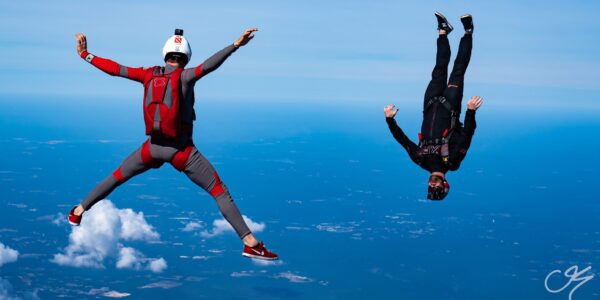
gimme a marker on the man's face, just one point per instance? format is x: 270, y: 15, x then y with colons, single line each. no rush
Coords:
x: 435, y: 181
x: 176, y: 60
x: 437, y: 188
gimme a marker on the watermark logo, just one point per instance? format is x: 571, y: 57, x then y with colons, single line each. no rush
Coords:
x: 573, y: 275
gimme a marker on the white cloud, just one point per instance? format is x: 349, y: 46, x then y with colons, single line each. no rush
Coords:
x: 195, y: 278
x: 106, y: 292
x: 59, y: 219
x: 221, y: 226
x: 293, y: 277
x: 191, y: 226
x: 267, y: 263
x: 93, y: 292
x: 161, y: 284
x: 115, y: 294
x: 158, y: 265
x: 100, y: 234
x: 53, y: 142
x: 336, y: 228
x: 129, y: 258
x: 135, y: 228
x: 250, y: 273
x: 242, y: 274
x: 6, y: 290
x: 7, y: 255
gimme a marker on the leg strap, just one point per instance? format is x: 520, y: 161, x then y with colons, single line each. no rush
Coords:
x: 147, y: 159
x: 180, y: 158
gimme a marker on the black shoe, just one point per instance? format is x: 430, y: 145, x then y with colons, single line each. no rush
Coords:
x: 443, y: 24
x: 467, y: 21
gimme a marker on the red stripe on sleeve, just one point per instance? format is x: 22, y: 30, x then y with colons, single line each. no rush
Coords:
x: 198, y: 71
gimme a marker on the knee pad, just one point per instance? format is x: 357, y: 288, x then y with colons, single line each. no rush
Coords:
x: 118, y: 175
x: 217, y: 188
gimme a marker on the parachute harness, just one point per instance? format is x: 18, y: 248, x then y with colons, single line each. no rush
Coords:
x: 439, y: 146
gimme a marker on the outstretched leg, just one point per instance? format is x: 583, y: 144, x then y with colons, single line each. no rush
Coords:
x: 202, y: 173
x: 454, y: 93
x: 136, y: 163
x: 437, y: 85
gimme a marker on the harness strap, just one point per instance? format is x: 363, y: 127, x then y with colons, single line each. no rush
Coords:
x: 442, y: 100
x: 180, y: 158
x: 433, y: 100
x: 453, y: 113
x: 440, y: 146
x: 147, y: 158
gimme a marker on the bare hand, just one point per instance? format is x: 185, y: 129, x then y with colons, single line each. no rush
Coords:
x: 245, y: 38
x: 81, y: 43
x: 475, y: 102
x: 390, y: 111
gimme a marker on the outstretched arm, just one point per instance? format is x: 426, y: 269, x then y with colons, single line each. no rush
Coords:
x: 410, y: 147
x: 469, y: 128
x: 215, y: 61
x: 458, y: 148
x: 108, y: 66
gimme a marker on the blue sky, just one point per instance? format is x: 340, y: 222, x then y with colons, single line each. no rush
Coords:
x: 294, y: 124
x: 526, y: 53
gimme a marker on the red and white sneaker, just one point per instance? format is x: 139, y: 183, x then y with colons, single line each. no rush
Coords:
x: 74, y: 219
x: 259, y: 252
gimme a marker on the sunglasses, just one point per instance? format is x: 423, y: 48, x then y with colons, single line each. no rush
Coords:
x: 176, y: 57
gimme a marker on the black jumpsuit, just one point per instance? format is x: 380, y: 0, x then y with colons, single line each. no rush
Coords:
x: 436, y: 118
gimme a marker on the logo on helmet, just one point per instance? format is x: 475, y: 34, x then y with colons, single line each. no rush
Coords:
x: 178, y: 44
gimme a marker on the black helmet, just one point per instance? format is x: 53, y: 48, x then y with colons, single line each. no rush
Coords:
x: 438, y: 192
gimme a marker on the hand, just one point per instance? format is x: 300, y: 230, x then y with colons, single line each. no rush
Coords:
x: 390, y: 111
x: 245, y: 38
x: 81, y: 43
x: 475, y: 102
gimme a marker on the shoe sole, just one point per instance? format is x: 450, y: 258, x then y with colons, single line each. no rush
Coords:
x: 259, y: 257
x: 467, y: 16
x: 437, y: 13
x: 74, y: 224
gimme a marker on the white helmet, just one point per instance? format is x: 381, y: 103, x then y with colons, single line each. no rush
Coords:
x: 177, y: 44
